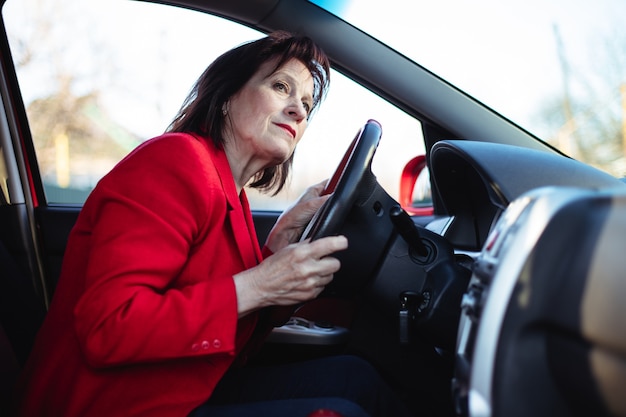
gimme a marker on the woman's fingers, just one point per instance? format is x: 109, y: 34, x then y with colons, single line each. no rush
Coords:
x: 304, y: 268
x: 295, y: 274
x: 327, y: 245
x: 293, y: 220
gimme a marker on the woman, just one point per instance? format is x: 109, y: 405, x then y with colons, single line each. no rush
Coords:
x: 164, y: 287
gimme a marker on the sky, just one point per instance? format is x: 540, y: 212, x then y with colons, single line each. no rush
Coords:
x: 502, y: 52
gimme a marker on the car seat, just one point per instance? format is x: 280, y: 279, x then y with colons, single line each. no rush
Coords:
x: 21, y: 315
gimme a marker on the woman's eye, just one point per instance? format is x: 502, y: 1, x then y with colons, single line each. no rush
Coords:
x: 280, y: 86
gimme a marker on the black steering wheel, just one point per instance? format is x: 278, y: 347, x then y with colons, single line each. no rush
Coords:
x: 345, y: 185
x: 358, y: 208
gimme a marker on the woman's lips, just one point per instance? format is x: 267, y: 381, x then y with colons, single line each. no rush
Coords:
x: 288, y: 128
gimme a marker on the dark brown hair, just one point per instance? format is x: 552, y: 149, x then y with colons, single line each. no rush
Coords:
x: 201, y: 111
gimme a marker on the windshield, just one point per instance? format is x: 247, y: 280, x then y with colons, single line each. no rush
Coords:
x: 556, y: 68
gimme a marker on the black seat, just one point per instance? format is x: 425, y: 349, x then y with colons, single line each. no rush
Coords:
x: 21, y: 315
x: 21, y: 311
x: 9, y: 371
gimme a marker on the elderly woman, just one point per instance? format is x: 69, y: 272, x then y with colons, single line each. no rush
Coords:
x: 164, y: 290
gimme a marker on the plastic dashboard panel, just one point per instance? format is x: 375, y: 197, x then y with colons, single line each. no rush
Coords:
x: 476, y: 181
x: 542, y: 330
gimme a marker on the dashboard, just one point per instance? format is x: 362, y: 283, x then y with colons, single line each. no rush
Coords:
x: 545, y: 232
x: 540, y: 332
x: 474, y: 182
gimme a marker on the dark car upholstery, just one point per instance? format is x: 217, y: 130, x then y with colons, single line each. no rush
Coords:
x: 21, y: 315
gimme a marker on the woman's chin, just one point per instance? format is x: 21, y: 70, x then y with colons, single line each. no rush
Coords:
x: 282, y: 157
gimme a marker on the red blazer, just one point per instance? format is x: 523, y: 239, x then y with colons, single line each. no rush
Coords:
x: 144, y: 318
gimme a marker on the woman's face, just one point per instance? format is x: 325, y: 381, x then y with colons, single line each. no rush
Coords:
x: 268, y: 116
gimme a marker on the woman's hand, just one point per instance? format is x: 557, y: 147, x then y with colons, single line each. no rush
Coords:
x: 297, y: 273
x: 291, y: 223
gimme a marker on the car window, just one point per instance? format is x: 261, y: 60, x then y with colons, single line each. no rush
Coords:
x: 556, y: 68
x: 100, y: 77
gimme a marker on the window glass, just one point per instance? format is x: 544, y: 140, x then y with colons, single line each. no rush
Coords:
x: 100, y: 77
x: 556, y: 68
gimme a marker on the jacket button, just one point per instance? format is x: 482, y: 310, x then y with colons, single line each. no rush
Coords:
x: 195, y: 347
x: 205, y: 345
x: 217, y: 343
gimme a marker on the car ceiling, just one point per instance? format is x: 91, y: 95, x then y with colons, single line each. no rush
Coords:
x: 409, y: 86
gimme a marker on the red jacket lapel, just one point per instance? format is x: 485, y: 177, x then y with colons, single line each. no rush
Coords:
x: 238, y: 211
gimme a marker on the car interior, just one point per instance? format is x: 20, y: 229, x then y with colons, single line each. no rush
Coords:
x: 502, y: 297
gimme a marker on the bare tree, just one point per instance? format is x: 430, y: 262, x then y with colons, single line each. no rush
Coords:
x: 75, y: 140
x: 588, y: 124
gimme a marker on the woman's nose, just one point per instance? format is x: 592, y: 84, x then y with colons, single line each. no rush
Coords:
x: 297, y: 110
